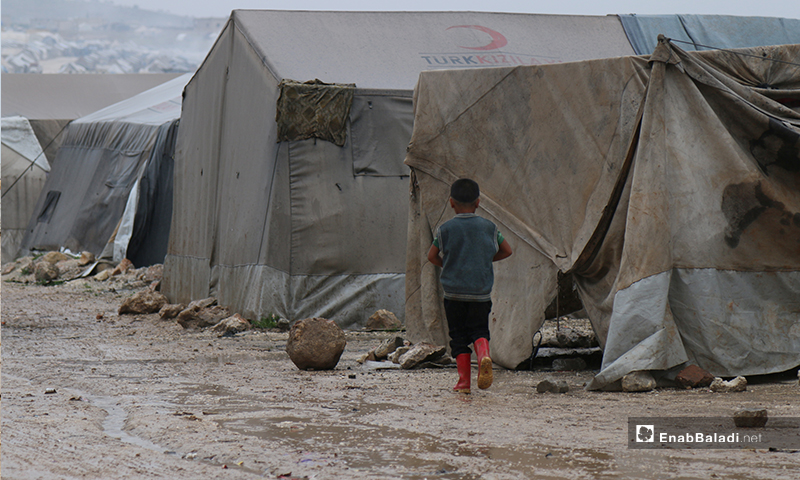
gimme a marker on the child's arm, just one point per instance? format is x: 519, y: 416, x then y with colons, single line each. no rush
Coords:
x: 503, y: 252
x: 433, y: 256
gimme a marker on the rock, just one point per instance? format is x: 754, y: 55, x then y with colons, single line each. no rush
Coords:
x: 69, y: 269
x: 383, y: 320
x: 45, y: 272
x: 231, y: 325
x: 153, y: 273
x: 639, y: 381
x: 86, y: 259
x: 315, y: 344
x: 283, y: 325
x: 394, y: 357
x: 143, y: 302
x: 122, y: 267
x: 738, y: 384
x: 9, y: 267
x: 569, y: 338
x: 171, y: 310
x: 693, y: 377
x: 53, y: 257
x: 203, y: 303
x: 197, y: 318
x: 547, y: 386
x: 421, y: 352
x: 103, y: 275
x: 569, y: 364
x: 750, y: 418
x: 388, y: 346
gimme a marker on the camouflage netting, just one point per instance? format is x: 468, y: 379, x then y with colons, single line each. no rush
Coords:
x: 313, y: 109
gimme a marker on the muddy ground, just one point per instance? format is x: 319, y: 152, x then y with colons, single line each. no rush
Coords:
x: 87, y: 393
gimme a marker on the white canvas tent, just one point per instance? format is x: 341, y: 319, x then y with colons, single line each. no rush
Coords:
x: 668, y: 185
x: 25, y: 170
x: 114, y: 164
x: 300, y: 226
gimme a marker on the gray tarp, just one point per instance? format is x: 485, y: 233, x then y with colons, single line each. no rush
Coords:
x: 86, y: 201
x: 717, y: 31
x: 668, y: 185
x: 309, y: 228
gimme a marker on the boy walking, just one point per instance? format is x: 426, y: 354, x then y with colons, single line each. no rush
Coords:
x: 468, y: 244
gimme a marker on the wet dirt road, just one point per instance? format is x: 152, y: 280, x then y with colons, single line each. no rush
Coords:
x: 87, y: 393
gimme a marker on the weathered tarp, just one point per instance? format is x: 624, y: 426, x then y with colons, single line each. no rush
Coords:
x: 25, y: 170
x: 717, y: 31
x: 668, y: 185
x: 90, y: 198
x: 313, y: 109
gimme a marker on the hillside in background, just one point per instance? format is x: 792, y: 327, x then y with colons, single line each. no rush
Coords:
x: 74, y: 36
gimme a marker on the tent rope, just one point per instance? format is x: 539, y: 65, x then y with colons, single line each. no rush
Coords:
x: 734, y: 52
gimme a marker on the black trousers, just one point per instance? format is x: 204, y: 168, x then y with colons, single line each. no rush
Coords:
x: 467, y: 322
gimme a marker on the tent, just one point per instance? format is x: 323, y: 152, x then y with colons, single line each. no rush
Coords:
x: 109, y: 191
x: 51, y: 101
x: 25, y: 169
x: 290, y: 193
x: 666, y: 184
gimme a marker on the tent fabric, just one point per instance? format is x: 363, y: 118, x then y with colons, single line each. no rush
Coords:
x: 305, y: 227
x: 705, y: 32
x: 103, y: 157
x: 313, y: 109
x: 667, y: 185
x: 25, y: 169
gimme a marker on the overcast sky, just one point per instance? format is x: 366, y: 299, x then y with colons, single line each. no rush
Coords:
x: 222, y: 8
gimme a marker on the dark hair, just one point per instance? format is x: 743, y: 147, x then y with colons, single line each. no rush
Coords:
x: 465, y: 191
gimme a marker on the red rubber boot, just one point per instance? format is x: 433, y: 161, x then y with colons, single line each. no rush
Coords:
x: 464, y: 363
x: 485, y: 376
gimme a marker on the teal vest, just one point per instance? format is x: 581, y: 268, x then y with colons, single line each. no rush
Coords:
x: 467, y: 243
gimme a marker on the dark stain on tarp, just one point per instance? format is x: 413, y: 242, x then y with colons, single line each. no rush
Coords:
x: 779, y: 145
x: 744, y: 203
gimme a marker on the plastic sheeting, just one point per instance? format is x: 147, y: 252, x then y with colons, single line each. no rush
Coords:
x: 715, y: 31
x: 667, y: 185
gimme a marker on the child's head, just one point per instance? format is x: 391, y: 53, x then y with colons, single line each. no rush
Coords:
x: 465, y: 193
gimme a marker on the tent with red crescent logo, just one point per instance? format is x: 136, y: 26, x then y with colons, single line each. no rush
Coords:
x: 291, y: 196
x: 667, y: 185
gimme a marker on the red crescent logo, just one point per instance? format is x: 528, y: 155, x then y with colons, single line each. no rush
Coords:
x: 498, y: 40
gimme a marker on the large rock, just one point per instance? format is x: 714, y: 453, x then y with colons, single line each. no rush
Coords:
x: 53, y: 257
x: 197, y: 318
x: 122, y: 267
x: 569, y: 338
x: 171, y: 310
x: 315, y: 344
x: 419, y: 353
x: 231, y: 325
x: 640, y: 381
x: 86, y: 258
x: 383, y: 320
x: 45, y: 272
x: 145, y: 301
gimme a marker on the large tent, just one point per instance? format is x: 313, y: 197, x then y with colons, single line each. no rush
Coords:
x: 110, y: 189
x: 25, y: 169
x: 668, y: 185
x: 305, y: 215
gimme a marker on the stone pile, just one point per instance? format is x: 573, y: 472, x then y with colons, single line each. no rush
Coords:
x: 401, y: 352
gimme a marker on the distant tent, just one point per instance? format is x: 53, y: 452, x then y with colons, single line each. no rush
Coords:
x: 110, y: 189
x: 667, y: 185
x: 306, y: 215
x: 25, y: 169
x: 707, y: 32
x: 51, y: 101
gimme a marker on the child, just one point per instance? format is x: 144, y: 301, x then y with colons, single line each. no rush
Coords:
x: 469, y: 244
